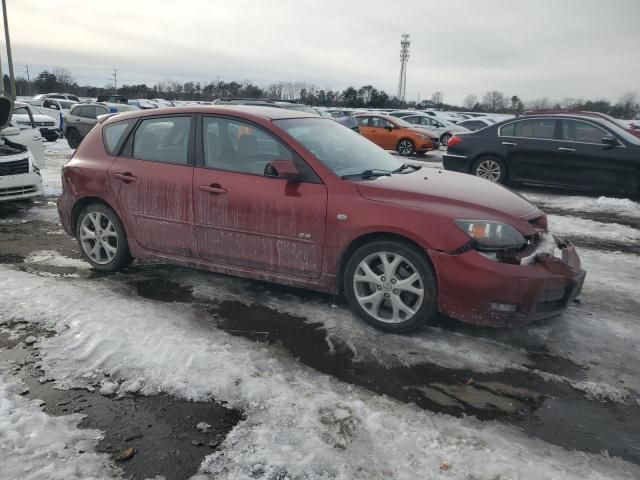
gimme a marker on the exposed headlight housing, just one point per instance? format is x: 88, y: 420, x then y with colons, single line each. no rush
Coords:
x: 491, y: 236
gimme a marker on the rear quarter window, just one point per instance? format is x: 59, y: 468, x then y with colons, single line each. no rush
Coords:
x: 113, y: 135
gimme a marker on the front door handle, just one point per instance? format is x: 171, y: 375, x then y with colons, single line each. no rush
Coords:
x: 214, y: 189
x: 125, y: 177
x: 509, y: 144
x: 565, y: 149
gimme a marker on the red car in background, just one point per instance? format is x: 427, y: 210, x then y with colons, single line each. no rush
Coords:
x: 287, y: 197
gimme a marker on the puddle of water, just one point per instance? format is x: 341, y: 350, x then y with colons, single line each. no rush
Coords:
x: 162, y: 290
x: 552, y: 411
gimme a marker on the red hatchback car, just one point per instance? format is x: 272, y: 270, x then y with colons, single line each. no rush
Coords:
x: 286, y: 197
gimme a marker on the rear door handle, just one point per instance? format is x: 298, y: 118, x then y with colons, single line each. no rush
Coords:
x: 125, y: 177
x: 509, y: 144
x: 565, y: 149
x: 214, y: 189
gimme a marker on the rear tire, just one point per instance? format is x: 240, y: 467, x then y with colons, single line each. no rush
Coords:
x: 490, y: 168
x: 444, y: 139
x: 102, y: 238
x: 73, y: 138
x: 406, y: 147
x: 391, y: 285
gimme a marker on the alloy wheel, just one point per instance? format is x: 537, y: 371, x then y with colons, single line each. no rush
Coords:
x: 99, y: 237
x: 445, y: 139
x: 406, y: 148
x: 489, y: 170
x: 388, y: 287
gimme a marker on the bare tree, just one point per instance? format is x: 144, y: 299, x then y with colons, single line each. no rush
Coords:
x: 539, y: 104
x: 470, y: 101
x: 63, y: 77
x: 629, y: 105
x: 494, y: 101
x: 437, y: 98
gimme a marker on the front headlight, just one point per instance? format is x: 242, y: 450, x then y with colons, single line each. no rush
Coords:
x: 490, y: 235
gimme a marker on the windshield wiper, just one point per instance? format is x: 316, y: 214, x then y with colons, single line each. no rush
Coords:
x: 404, y: 166
x: 369, y: 173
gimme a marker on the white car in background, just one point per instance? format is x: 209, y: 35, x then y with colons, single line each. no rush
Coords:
x: 53, y: 107
x: 27, y: 116
x: 477, y: 123
x: 20, y: 177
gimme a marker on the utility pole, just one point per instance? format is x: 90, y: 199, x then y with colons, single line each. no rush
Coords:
x: 28, y: 82
x: 12, y: 78
x: 404, y: 58
x: 115, y: 80
x: 1, y: 76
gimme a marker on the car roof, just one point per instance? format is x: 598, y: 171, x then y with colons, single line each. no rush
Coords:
x: 586, y: 118
x: 267, y: 113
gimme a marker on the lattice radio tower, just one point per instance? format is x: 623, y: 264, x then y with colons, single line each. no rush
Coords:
x: 404, y: 58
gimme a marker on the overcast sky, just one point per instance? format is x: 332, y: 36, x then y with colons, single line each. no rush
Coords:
x: 532, y: 48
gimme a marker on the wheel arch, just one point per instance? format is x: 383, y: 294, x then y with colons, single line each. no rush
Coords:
x: 372, y: 237
x: 83, y: 202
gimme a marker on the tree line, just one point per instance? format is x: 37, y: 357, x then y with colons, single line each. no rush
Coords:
x: 367, y: 96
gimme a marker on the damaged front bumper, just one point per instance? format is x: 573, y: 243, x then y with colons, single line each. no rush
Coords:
x: 482, y: 291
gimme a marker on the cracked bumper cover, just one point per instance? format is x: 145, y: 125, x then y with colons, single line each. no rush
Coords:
x: 470, y: 285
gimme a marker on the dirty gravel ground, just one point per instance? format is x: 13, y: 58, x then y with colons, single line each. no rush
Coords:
x: 560, y: 381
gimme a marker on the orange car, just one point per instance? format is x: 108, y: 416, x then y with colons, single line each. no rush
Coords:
x: 393, y: 133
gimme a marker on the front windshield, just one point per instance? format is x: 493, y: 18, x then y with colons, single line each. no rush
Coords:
x: 341, y: 149
x: 624, y: 133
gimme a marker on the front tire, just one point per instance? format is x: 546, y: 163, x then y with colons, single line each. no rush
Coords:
x: 391, y: 285
x: 490, y: 168
x: 406, y: 147
x: 102, y: 238
x: 73, y: 138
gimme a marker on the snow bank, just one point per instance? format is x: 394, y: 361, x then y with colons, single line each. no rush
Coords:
x: 34, y: 445
x: 56, y: 154
x: 619, y: 206
x: 300, y: 424
x: 576, y: 227
x: 54, y: 259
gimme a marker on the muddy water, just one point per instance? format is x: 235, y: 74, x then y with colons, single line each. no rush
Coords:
x: 551, y: 411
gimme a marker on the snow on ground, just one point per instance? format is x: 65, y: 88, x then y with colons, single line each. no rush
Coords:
x: 300, y: 424
x: 56, y: 154
x: 36, y: 446
x: 576, y: 227
x: 620, y: 206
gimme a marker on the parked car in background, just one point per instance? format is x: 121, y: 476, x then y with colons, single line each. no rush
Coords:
x: 25, y: 116
x: 53, y: 107
x: 83, y: 116
x: 393, y: 133
x: 19, y: 175
x: 60, y: 96
x: 568, y: 151
x: 112, y: 99
x: 294, y: 198
x: 433, y: 125
x: 143, y: 103
x: 344, y: 117
x: 476, y: 123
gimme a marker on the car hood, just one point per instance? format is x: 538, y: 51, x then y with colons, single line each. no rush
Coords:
x: 6, y: 109
x: 453, y: 195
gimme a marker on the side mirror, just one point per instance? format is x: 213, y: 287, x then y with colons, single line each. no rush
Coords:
x: 389, y: 127
x: 285, y: 169
x: 610, y: 141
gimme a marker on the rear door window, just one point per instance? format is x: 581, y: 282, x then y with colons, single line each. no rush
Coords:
x: 164, y: 139
x: 537, y: 128
x: 113, y: 135
x: 363, y: 121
